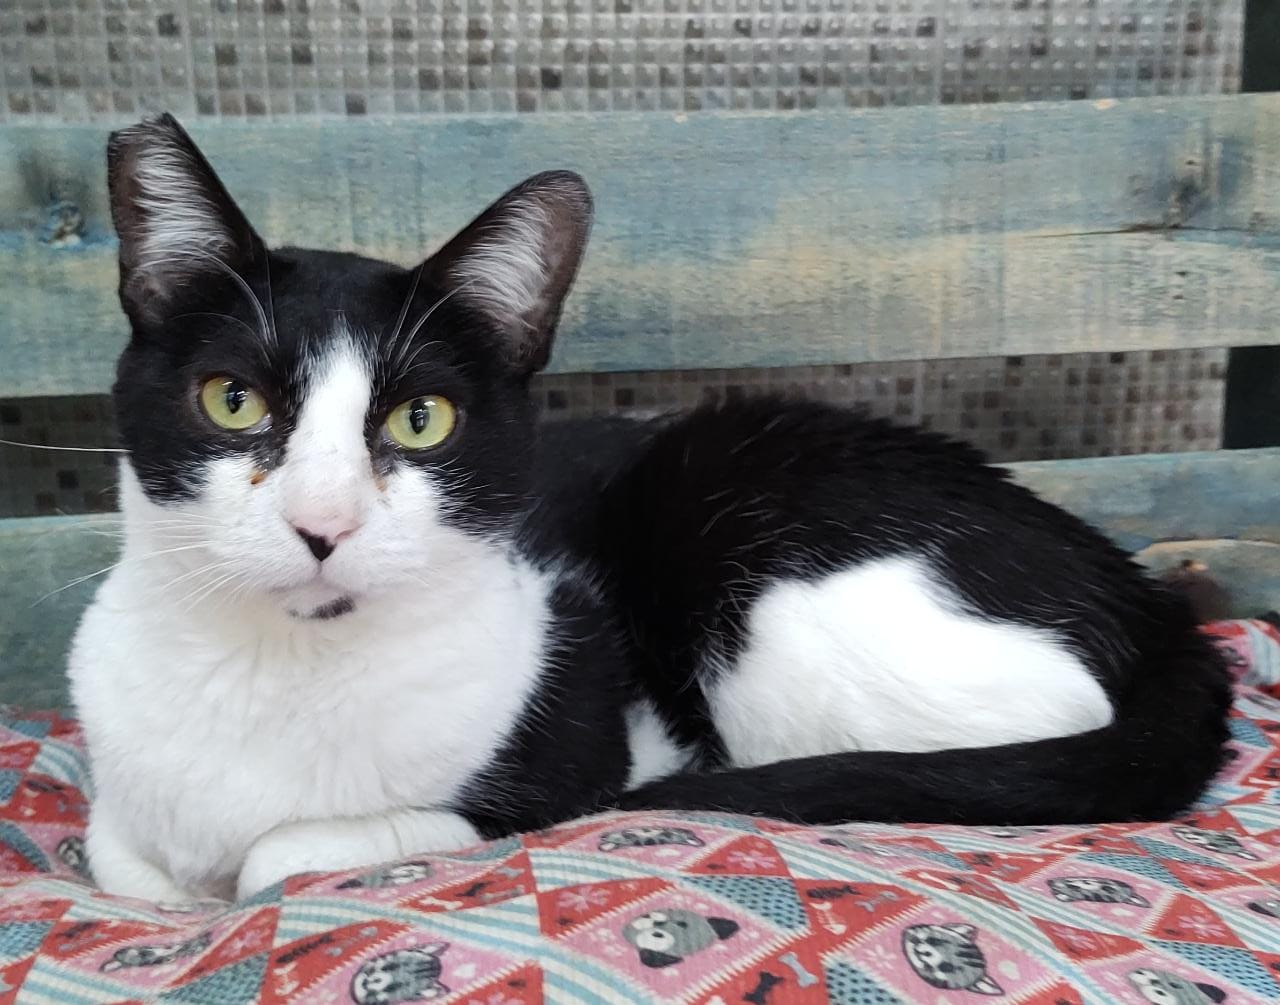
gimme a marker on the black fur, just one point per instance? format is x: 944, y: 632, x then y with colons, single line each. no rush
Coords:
x: 670, y: 531
x: 769, y: 489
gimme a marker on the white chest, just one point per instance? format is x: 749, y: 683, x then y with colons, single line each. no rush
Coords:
x: 203, y: 738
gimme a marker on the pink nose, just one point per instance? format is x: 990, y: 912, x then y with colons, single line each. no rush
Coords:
x: 321, y: 545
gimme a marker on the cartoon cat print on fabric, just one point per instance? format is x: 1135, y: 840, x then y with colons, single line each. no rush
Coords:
x: 648, y: 837
x: 155, y: 956
x: 395, y: 875
x: 948, y: 957
x: 406, y: 975
x: 1160, y: 987
x: 1215, y: 841
x: 668, y: 937
x: 1094, y: 890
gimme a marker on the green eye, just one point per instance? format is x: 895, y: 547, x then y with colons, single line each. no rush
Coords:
x: 232, y: 404
x: 422, y: 422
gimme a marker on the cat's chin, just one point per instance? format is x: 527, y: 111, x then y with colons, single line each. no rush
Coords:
x: 316, y: 602
x: 324, y: 612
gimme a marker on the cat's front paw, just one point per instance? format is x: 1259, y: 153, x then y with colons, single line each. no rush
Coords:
x: 349, y: 843
x: 290, y: 849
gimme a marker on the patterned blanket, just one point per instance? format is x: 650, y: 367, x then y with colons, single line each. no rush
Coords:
x: 686, y: 908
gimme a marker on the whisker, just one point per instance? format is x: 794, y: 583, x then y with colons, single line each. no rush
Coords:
x: 215, y: 314
x: 210, y: 588
x: 271, y: 303
x: 115, y: 565
x: 431, y: 310
x: 82, y: 450
x: 404, y: 309
x: 245, y: 288
x: 193, y: 573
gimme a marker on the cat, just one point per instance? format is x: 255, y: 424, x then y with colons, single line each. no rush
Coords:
x: 667, y: 937
x: 368, y: 607
x: 1095, y: 890
x: 1160, y: 987
x: 405, y: 975
x: 648, y: 837
x: 947, y: 957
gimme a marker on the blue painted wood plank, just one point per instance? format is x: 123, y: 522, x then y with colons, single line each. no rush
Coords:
x: 1222, y: 508
x: 732, y: 239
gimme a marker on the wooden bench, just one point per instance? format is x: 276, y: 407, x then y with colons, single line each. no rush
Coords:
x: 727, y: 240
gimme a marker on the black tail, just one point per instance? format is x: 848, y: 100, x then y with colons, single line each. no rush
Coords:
x: 1153, y: 761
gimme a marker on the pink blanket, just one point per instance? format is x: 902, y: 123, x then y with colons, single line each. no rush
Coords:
x: 678, y: 908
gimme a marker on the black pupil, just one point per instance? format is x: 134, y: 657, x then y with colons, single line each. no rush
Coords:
x: 236, y: 395
x: 419, y: 413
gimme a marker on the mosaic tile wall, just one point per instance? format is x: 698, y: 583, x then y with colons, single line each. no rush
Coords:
x: 92, y: 60
x: 1017, y: 408
x: 84, y: 59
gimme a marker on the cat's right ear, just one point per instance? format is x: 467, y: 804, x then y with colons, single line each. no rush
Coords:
x: 177, y: 225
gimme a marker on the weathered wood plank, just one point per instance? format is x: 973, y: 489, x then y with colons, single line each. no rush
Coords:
x: 737, y: 239
x: 1227, y: 497
x: 1167, y: 497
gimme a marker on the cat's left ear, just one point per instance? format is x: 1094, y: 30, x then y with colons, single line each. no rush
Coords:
x: 516, y: 261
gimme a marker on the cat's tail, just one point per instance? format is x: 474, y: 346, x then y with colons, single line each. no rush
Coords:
x: 1151, y: 762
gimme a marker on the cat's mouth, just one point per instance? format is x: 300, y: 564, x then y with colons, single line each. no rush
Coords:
x: 325, y: 612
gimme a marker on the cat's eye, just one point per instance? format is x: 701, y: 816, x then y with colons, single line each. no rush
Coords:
x: 422, y: 422
x: 232, y: 404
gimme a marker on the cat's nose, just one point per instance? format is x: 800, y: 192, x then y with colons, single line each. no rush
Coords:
x: 319, y: 546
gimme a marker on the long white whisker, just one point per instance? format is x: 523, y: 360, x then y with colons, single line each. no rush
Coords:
x: 193, y: 573
x: 236, y: 277
x: 116, y: 565
x: 215, y: 314
x: 271, y: 303
x: 210, y: 588
x: 431, y: 310
x: 82, y: 450
x: 404, y: 309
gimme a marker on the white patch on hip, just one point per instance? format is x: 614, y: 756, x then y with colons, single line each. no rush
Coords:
x: 654, y: 753
x: 885, y: 656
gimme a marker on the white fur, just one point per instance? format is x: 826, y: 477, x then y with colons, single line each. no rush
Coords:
x: 327, y: 483
x: 884, y: 656
x: 654, y: 753
x: 214, y: 715
x: 181, y: 226
x: 506, y: 272
x: 328, y: 845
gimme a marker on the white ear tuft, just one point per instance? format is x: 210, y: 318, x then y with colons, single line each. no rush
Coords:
x: 516, y: 261
x: 175, y: 220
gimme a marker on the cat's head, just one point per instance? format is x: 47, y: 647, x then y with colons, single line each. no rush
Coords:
x: 319, y: 427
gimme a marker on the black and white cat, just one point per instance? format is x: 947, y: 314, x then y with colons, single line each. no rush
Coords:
x: 367, y: 607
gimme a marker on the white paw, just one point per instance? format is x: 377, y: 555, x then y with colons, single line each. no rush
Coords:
x: 334, y: 845
x: 309, y: 846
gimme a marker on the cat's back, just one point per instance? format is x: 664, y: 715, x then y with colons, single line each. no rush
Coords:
x: 807, y: 564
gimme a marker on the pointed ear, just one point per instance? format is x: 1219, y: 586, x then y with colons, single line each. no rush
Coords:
x: 516, y: 261
x: 986, y: 986
x: 177, y: 224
